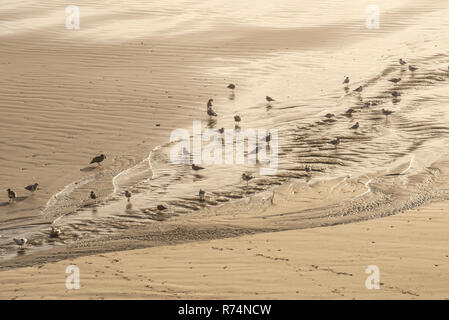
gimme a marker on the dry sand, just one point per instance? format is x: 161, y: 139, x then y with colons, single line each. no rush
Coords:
x: 410, y: 250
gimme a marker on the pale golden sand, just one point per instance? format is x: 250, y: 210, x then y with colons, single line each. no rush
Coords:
x: 410, y: 250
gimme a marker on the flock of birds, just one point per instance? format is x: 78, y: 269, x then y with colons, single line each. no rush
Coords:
x: 211, y: 113
x: 335, y: 142
x: 56, y: 232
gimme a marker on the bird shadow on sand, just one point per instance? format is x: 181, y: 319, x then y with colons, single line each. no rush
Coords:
x: 17, y: 199
x: 88, y: 169
x: 211, y: 123
x: 198, y: 177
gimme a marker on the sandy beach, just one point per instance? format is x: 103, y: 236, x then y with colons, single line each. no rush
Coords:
x: 361, y: 175
x: 410, y: 250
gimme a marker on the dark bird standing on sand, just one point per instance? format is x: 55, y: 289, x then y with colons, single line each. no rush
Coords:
x: 221, y: 130
x: 128, y: 195
x: 269, y: 99
x: 307, y: 168
x: 367, y: 104
x: 386, y: 112
x: 55, y: 232
x: 335, y: 142
x: 196, y: 168
x: 395, y: 94
x: 20, y: 241
x: 237, y: 119
x: 268, y: 137
x: 395, y: 80
x: 11, y: 195
x: 355, y: 126
x: 201, y: 194
x: 93, y: 196
x: 346, y: 81
x: 247, y: 177
x: 210, y: 111
x: 98, y: 159
x: 329, y: 115
x: 402, y: 62
x: 231, y: 86
x: 32, y: 187
x: 359, y: 89
x: 412, y: 68
x: 161, y: 207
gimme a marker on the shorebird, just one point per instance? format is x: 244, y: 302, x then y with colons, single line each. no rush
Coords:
x: 402, y: 62
x: 210, y: 111
x: 185, y: 151
x: 269, y: 99
x: 335, y: 142
x: 268, y: 137
x: 237, y: 119
x: 355, y: 126
x: 196, y: 168
x: 221, y: 130
x: 93, y: 196
x: 55, y: 232
x: 231, y: 86
x: 201, y: 194
x: 412, y: 68
x: 367, y: 104
x: 161, y: 207
x: 128, y: 195
x: 307, y: 168
x: 346, y: 81
x: 247, y: 177
x: 98, y: 159
x: 330, y: 115
x: 359, y: 89
x: 32, y: 187
x: 11, y: 195
x: 395, y: 94
x: 395, y: 80
x: 20, y: 241
x: 386, y: 112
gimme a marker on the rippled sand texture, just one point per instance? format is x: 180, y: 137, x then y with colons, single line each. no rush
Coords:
x: 136, y: 71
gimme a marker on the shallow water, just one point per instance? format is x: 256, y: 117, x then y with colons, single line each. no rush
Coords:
x: 297, y: 53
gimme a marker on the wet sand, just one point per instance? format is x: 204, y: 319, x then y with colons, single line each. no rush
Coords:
x: 131, y: 75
